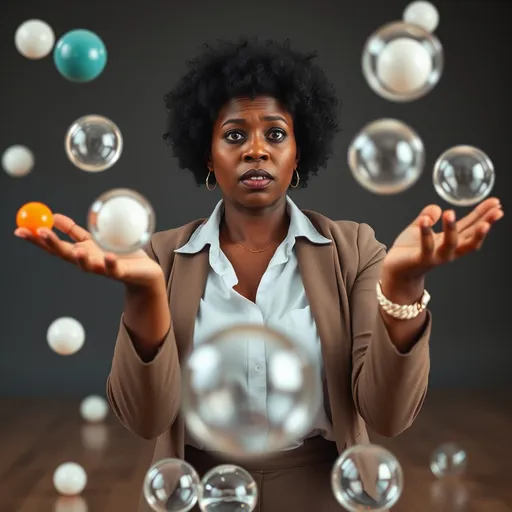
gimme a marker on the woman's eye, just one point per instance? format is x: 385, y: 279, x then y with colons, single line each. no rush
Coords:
x: 234, y: 136
x: 277, y: 135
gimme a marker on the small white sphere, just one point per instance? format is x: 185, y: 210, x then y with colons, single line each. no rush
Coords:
x: 17, y: 161
x: 423, y: 14
x: 94, y: 409
x: 404, y: 65
x: 122, y: 222
x: 65, y: 336
x: 34, y: 39
x: 70, y: 479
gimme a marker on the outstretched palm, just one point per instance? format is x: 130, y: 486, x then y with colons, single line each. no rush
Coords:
x: 418, y: 248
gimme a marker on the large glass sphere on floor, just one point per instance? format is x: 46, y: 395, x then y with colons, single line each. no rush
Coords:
x: 448, y: 460
x: 228, y: 488
x: 171, y: 485
x: 224, y: 415
x: 386, y: 157
x: 367, y: 477
x: 402, y: 61
x: 463, y: 176
x: 93, y: 143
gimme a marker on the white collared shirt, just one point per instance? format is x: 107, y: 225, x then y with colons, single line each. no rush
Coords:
x: 281, y: 303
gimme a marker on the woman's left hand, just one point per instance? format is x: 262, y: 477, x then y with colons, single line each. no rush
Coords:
x: 418, y: 248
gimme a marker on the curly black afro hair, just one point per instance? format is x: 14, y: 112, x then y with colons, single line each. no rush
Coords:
x: 251, y: 68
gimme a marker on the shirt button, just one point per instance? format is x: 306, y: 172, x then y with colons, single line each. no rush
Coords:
x: 257, y: 367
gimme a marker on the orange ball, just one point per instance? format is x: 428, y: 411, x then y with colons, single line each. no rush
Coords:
x: 34, y: 216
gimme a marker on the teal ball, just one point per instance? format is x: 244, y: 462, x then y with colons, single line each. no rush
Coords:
x: 80, y: 55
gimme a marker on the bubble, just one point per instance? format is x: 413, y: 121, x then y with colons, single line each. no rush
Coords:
x: 34, y: 39
x: 448, y: 460
x: 93, y: 143
x: 228, y: 488
x: 224, y: 415
x: 463, y: 175
x: 171, y: 485
x: 402, y: 61
x: 121, y: 221
x: 386, y: 157
x: 367, y: 477
x: 17, y: 161
x: 423, y: 14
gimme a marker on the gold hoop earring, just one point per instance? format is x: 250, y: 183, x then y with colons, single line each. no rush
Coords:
x: 298, y: 179
x: 208, y: 182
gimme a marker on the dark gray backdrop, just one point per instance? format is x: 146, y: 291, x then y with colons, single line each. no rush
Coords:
x: 148, y: 45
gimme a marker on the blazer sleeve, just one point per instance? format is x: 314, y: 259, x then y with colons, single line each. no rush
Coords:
x: 144, y: 395
x: 389, y: 387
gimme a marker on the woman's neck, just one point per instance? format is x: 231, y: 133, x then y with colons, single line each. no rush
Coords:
x: 255, y: 228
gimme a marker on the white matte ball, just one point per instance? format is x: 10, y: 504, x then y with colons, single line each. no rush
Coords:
x: 69, y: 479
x: 423, y: 14
x: 404, y: 65
x: 65, y: 336
x: 122, y: 222
x: 17, y: 161
x: 94, y: 409
x: 34, y: 39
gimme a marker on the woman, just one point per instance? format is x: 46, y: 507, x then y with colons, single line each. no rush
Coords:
x: 254, y: 120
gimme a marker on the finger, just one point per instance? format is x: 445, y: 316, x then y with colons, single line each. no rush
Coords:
x: 476, y: 241
x: 26, y: 234
x: 450, y: 237
x: 432, y: 211
x: 111, y: 265
x: 59, y: 247
x: 69, y: 227
x: 427, y: 239
x: 490, y: 218
x: 477, y: 214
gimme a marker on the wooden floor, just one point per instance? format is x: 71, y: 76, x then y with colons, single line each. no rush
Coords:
x: 38, y: 435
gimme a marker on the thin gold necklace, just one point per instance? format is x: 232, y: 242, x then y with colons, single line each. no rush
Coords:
x: 245, y: 248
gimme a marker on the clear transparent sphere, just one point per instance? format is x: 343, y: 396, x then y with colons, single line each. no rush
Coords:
x: 228, y: 488
x: 93, y: 143
x: 171, y: 485
x: 402, y: 61
x: 367, y: 477
x: 423, y: 14
x: 386, y: 157
x: 448, y: 460
x: 463, y: 175
x: 121, y: 221
x: 223, y: 414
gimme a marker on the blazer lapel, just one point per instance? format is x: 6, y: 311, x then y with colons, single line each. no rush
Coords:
x: 318, y: 272
x: 186, y: 287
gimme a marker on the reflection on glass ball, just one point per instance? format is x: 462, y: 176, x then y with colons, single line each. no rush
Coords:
x: 367, y: 477
x: 386, y: 157
x: 121, y: 221
x: 93, y: 143
x: 171, y: 485
x: 221, y: 412
x: 228, y: 488
x: 463, y: 176
x: 448, y: 460
x: 402, y: 61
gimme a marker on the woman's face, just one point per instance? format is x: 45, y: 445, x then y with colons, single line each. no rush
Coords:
x: 253, y: 152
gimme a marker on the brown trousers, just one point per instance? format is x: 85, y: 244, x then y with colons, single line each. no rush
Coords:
x: 297, y: 480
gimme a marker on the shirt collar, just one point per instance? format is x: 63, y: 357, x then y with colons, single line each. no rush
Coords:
x: 208, y: 232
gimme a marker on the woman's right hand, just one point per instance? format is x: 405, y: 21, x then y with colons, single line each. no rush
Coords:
x: 133, y: 269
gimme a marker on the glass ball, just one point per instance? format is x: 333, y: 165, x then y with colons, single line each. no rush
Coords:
x: 228, y: 488
x: 448, y: 460
x: 423, y: 14
x: 402, y: 61
x: 463, y: 176
x: 224, y: 415
x: 386, y: 157
x: 171, y: 485
x: 93, y: 143
x: 121, y: 221
x: 367, y: 477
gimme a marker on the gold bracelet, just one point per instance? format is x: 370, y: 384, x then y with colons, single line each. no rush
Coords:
x: 398, y: 311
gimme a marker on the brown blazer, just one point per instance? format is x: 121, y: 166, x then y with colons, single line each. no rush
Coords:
x: 367, y: 381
